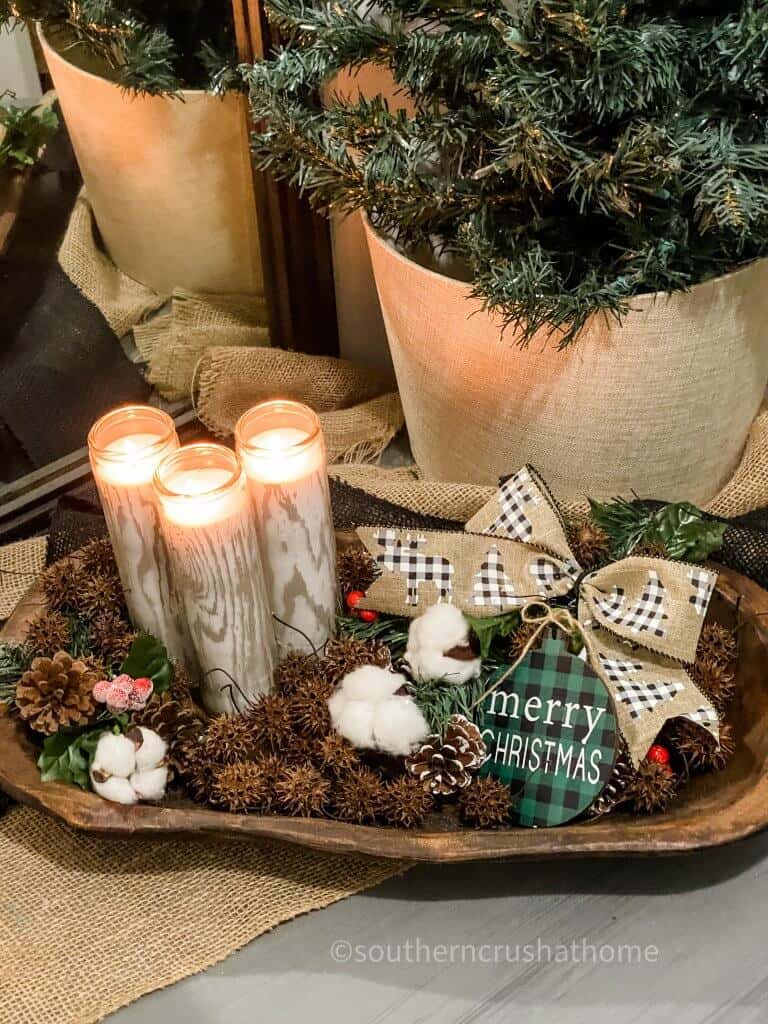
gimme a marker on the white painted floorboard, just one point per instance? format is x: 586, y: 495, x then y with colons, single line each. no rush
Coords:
x: 707, y: 914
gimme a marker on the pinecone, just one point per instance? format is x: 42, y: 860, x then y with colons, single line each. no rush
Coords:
x: 359, y: 796
x: 56, y: 693
x: 176, y: 722
x: 335, y: 754
x: 355, y: 569
x: 239, y: 788
x: 485, y: 803
x: 303, y: 790
x: 270, y: 723
x: 717, y: 644
x: 406, y: 802
x: 345, y: 654
x: 589, y: 543
x: 446, y: 765
x: 49, y: 633
x: 615, y: 791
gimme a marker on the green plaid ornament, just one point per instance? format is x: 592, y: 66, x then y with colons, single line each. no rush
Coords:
x: 551, y: 734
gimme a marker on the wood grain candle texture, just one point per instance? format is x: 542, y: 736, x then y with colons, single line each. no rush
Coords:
x: 210, y: 531
x: 281, y: 446
x: 125, y: 447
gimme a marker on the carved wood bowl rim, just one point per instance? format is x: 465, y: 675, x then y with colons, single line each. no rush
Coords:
x: 714, y: 810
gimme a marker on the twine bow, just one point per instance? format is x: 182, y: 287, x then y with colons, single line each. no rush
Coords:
x: 640, y: 618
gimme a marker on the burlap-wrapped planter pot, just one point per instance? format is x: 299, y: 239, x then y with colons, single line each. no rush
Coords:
x: 661, y: 404
x: 169, y: 180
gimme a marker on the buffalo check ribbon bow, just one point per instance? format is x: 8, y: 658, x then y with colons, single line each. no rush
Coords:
x: 640, y: 617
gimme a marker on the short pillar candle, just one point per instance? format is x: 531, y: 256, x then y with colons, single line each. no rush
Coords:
x: 211, y: 536
x: 125, y: 447
x: 282, y: 448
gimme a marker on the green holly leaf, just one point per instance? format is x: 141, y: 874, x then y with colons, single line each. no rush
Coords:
x: 66, y: 757
x: 495, y: 626
x: 148, y: 659
x: 686, y: 533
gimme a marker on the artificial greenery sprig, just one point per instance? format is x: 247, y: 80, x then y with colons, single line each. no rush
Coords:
x: 679, y: 529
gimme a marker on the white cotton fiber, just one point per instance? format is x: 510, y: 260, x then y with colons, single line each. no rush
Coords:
x: 115, y: 755
x: 150, y: 784
x: 371, y: 683
x: 398, y: 726
x: 115, y: 789
x: 151, y: 753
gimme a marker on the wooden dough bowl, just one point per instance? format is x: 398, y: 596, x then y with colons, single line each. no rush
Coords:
x: 712, y: 810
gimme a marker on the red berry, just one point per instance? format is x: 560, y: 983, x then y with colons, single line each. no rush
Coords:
x: 354, y: 597
x: 367, y: 615
x: 658, y: 754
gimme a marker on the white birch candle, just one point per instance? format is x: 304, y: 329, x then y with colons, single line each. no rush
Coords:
x: 125, y: 447
x: 282, y: 449
x: 210, y: 531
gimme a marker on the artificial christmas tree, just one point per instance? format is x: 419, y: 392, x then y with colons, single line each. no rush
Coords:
x: 575, y: 160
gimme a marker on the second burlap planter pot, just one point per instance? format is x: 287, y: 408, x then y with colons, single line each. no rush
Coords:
x: 660, y: 404
x: 169, y: 179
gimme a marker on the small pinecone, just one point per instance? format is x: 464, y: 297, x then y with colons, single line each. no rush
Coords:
x: 406, y: 803
x: 229, y: 739
x: 518, y: 640
x: 240, y: 787
x: 308, y: 708
x: 359, y: 796
x: 653, y: 788
x: 698, y: 748
x: 303, y: 790
x: 111, y: 638
x: 300, y: 750
x: 345, y: 654
x: 335, y: 754
x: 615, y: 791
x: 270, y: 722
x: 61, y: 585
x: 716, y: 680
x: 100, y: 594
x: 444, y: 765
x: 49, y: 633
x: 486, y: 803
x: 355, y: 569
x: 176, y: 722
x: 589, y: 544
x: 56, y: 693
x: 717, y: 644
x: 296, y: 672
x: 274, y: 768
x: 98, y: 559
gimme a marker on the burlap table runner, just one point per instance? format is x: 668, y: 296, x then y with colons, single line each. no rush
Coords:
x: 20, y: 564
x: 89, y: 924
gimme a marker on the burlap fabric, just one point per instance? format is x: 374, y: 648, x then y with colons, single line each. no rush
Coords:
x: 359, y: 413
x: 89, y: 924
x: 746, y: 490
x: 660, y: 405
x: 20, y: 565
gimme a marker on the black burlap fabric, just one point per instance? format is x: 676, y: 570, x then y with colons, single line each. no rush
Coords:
x: 78, y: 519
x: 64, y: 369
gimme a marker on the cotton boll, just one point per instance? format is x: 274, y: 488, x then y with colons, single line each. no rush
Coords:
x: 150, y: 751
x: 429, y: 664
x: 150, y: 784
x: 369, y: 682
x: 353, y: 719
x: 117, y: 790
x: 115, y: 755
x: 398, y: 726
x: 441, y: 627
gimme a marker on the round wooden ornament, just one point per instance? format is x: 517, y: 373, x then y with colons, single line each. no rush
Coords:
x: 551, y: 734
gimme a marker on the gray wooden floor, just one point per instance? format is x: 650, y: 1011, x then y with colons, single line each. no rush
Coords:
x: 707, y: 915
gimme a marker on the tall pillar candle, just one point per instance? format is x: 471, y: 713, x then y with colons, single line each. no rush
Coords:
x: 210, y: 531
x: 282, y: 449
x: 125, y: 447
